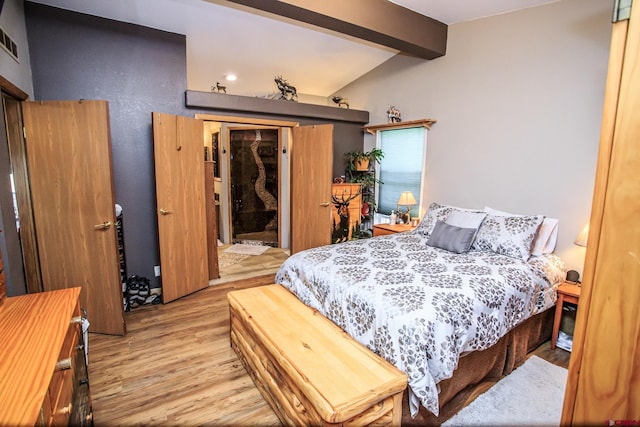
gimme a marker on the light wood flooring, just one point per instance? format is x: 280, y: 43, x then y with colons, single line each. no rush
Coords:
x: 175, y: 366
x: 249, y: 266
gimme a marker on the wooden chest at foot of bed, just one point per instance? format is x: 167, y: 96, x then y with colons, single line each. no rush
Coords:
x: 309, y: 370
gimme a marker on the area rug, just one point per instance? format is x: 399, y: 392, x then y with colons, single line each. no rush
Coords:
x: 532, y: 395
x: 243, y: 249
x: 226, y: 260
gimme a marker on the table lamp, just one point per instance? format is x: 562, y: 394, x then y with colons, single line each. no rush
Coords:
x: 406, y: 199
x: 581, y: 240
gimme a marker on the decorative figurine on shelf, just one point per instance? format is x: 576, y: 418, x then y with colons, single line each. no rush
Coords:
x: 393, y: 114
x: 340, y: 101
x: 287, y: 91
x: 218, y: 88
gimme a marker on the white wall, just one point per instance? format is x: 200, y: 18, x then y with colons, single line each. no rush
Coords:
x: 518, y: 102
x: 12, y: 22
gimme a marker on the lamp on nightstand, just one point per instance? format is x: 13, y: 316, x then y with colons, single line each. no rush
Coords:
x: 572, y: 275
x: 406, y: 199
x: 581, y: 240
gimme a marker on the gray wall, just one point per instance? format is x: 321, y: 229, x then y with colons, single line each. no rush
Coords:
x: 138, y: 70
x: 518, y: 99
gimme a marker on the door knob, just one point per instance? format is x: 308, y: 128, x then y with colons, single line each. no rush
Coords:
x: 165, y: 212
x: 104, y: 226
x: 325, y: 204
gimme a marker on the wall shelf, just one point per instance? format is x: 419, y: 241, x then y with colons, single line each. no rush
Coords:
x: 400, y: 125
x: 248, y: 104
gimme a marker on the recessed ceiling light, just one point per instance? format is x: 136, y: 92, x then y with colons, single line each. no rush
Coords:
x: 231, y: 77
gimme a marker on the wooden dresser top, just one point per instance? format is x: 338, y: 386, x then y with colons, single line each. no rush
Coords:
x: 33, y: 328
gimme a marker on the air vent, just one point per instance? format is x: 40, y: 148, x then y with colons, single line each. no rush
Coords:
x: 8, y: 44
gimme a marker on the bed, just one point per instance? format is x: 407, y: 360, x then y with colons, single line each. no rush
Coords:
x: 441, y: 296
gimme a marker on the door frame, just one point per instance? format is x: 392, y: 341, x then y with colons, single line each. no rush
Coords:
x: 25, y: 242
x: 284, y: 165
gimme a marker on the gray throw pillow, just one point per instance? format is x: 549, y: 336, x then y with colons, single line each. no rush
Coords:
x: 451, y: 238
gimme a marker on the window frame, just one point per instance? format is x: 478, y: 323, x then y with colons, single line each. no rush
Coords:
x: 376, y: 131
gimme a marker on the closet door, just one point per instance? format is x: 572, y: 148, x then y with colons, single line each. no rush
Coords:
x: 311, y: 170
x: 603, y: 386
x: 69, y: 159
x: 181, y: 207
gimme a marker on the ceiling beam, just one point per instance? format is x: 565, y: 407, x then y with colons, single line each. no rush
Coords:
x: 377, y: 21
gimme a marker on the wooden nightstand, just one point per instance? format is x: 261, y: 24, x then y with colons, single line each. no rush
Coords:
x: 567, y: 292
x: 382, y: 229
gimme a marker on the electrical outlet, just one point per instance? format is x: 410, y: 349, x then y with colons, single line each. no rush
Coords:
x: 156, y: 270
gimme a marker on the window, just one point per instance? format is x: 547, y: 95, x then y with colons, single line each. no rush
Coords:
x: 402, y: 167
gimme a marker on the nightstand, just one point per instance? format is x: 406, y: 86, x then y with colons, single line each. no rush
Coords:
x: 567, y: 292
x: 382, y: 229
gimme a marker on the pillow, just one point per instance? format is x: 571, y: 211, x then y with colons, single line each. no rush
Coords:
x: 451, y: 238
x: 508, y: 235
x: 437, y: 212
x: 466, y: 219
x: 545, y: 240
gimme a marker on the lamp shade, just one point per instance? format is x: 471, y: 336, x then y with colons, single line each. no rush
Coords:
x: 581, y: 240
x: 407, y: 199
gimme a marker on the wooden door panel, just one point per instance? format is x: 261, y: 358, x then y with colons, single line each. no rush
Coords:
x: 181, y: 207
x: 69, y: 158
x: 603, y: 384
x: 311, y: 170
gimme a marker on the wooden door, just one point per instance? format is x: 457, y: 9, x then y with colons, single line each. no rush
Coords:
x: 602, y: 386
x: 311, y: 170
x: 69, y: 159
x: 181, y: 206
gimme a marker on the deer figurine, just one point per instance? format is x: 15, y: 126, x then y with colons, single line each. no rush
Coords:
x: 218, y: 88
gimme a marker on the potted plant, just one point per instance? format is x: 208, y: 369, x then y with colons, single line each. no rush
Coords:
x: 360, y: 160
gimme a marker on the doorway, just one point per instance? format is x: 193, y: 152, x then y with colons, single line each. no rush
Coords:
x: 271, y: 140
x: 254, y: 185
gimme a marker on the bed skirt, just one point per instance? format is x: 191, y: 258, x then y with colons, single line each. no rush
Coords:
x: 482, y: 366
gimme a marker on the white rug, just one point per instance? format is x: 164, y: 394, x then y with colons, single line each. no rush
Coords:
x: 243, y: 249
x: 532, y: 395
x: 226, y: 260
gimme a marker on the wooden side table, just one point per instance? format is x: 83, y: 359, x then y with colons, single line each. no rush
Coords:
x: 382, y: 229
x: 567, y: 292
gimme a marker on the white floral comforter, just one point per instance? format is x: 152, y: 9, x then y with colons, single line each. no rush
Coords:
x: 417, y: 306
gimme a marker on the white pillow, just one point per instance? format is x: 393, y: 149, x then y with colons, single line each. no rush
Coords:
x: 466, y: 219
x: 510, y: 235
x: 545, y: 240
x: 435, y: 212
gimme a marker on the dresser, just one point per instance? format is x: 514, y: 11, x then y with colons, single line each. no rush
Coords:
x: 43, y: 371
x: 347, y: 207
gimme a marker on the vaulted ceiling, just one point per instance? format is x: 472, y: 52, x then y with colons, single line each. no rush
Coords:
x: 231, y: 37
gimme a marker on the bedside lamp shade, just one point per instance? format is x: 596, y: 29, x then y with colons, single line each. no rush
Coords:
x: 581, y: 240
x: 407, y: 199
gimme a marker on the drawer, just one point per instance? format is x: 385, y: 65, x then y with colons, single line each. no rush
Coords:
x: 61, y: 411
x: 61, y: 386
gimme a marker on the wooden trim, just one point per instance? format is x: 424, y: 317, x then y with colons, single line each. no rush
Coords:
x: 12, y: 89
x: 245, y: 120
x: 252, y: 104
x: 400, y: 125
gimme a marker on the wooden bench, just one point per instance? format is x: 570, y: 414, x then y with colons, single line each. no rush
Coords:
x: 308, y: 369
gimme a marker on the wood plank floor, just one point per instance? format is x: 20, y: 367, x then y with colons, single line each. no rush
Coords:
x: 175, y: 366
x: 249, y: 266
